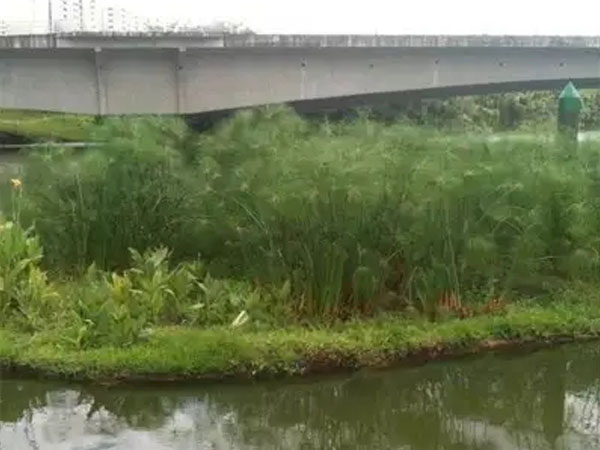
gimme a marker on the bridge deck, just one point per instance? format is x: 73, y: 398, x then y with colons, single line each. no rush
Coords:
x: 203, y: 40
x: 191, y: 73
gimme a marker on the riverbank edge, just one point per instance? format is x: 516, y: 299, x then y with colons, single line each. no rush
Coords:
x: 216, y: 354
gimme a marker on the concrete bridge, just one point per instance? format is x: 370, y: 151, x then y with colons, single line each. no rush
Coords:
x: 193, y: 73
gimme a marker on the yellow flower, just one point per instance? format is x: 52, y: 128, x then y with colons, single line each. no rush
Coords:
x: 16, y: 183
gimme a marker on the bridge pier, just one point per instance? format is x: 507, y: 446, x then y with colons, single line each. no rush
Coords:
x: 179, y: 67
x: 101, y: 96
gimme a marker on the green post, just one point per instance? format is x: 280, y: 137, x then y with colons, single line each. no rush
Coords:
x: 569, y: 110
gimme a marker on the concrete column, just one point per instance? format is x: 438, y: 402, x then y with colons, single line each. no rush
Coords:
x: 180, y: 81
x: 435, y: 82
x: 303, y: 64
x: 101, y: 94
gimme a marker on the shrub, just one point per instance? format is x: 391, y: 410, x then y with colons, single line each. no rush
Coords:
x: 117, y: 309
x: 130, y: 192
x: 26, y: 298
x: 120, y: 309
x: 221, y: 301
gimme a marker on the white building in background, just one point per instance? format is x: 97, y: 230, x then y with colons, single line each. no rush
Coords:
x: 91, y: 16
x: 66, y: 15
x: 116, y: 19
x: 76, y: 15
x: 71, y: 16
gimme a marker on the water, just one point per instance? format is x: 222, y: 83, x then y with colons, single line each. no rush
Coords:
x: 545, y: 400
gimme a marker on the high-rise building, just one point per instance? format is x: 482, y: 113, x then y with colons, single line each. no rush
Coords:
x: 109, y: 19
x: 68, y: 16
x: 116, y: 19
x: 91, y: 16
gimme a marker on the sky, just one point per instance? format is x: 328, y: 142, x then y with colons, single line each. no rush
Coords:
x: 573, y: 17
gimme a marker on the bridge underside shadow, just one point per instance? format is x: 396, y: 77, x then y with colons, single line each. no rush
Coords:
x: 340, y: 106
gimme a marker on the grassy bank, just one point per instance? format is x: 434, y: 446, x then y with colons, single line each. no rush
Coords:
x: 218, y: 353
x: 45, y: 126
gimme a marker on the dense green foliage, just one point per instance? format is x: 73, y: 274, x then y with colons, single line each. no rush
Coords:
x: 131, y: 193
x: 271, y: 219
x: 498, y: 112
x: 103, y: 309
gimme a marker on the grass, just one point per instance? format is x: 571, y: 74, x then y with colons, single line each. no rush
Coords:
x: 219, y: 352
x: 45, y: 125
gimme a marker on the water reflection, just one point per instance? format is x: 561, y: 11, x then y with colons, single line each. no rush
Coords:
x: 546, y: 400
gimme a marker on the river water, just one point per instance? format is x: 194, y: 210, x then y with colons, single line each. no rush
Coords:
x: 544, y: 400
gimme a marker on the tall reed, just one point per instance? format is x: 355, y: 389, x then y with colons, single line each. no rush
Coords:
x: 355, y: 215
